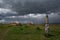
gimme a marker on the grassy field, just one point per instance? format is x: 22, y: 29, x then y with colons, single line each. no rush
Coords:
x: 28, y: 32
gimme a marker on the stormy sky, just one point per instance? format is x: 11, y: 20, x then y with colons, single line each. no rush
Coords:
x: 29, y: 11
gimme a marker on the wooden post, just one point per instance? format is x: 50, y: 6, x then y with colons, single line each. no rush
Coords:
x: 47, y: 25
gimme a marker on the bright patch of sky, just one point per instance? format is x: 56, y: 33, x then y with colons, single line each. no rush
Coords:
x: 6, y: 11
x: 1, y: 1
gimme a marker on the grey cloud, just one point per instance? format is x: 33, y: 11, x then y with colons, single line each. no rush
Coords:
x: 25, y: 7
x: 32, y: 6
x: 39, y: 7
x: 53, y: 18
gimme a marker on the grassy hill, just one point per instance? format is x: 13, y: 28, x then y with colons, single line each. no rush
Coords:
x: 28, y: 32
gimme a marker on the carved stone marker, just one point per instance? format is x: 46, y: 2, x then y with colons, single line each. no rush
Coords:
x: 47, y: 25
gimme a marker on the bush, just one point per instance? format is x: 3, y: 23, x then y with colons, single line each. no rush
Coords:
x: 21, y: 29
x: 20, y: 24
x: 38, y: 28
x: 26, y: 26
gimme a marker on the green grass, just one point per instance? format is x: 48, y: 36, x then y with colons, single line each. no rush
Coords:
x: 28, y: 32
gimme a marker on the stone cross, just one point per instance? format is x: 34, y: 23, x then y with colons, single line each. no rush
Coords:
x: 47, y: 25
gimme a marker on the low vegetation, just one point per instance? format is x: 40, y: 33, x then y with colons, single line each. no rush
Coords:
x: 29, y: 32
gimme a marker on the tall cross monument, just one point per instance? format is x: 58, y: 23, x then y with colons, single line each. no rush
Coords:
x: 47, y: 25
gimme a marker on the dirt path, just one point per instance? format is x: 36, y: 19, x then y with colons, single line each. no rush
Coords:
x: 4, y: 33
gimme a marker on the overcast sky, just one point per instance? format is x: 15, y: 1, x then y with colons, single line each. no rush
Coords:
x: 29, y: 11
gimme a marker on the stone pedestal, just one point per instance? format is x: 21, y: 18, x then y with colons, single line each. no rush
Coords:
x: 47, y: 28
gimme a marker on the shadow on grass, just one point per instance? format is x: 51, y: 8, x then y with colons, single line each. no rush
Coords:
x: 38, y: 29
x: 48, y: 35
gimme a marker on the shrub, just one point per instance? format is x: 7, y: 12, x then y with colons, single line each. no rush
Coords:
x: 26, y: 26
x: 20, y: 24
x: 21, y: 29
x: 38, y: 28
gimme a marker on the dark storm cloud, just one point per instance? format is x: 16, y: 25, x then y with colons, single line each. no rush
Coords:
x: 29, y: 10
x: 41, y: 6
x: 32, y: 6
